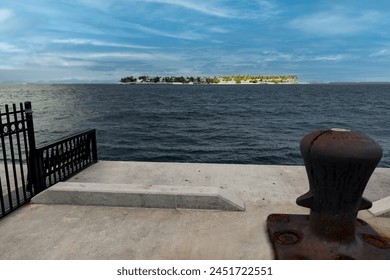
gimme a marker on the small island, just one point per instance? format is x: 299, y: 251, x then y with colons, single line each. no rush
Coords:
x: 234, y: 79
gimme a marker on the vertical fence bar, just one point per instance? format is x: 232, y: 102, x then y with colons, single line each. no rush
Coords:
x: 42, y: 170
x: 71, y: 155
x: 68, y: 157
x: 26, y: 148
x: 53, y: 163
x: 5, y: 131
x: 94, y: 146
x: 76, y: 153
x: 47, y: 159
x: 82, y: 150
x: 36, y: 177
x: 20, y: 129
x: 12, y: 130
x: 31, y: 163
x: 84, y: 146
x: 59, y: 160
x: 63, y: 160
x: 1, y: 186
x: 2, y: 200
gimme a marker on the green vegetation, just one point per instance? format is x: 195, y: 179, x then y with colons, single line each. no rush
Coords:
x: 234, y: 79
x: 130, y: 79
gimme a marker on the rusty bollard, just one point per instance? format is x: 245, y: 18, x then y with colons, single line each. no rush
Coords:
x: 339, y: 164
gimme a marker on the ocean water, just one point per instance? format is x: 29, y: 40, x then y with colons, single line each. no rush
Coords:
x: 245, y: 124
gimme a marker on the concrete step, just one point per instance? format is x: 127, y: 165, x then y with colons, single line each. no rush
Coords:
x: 138, y: 195
x: 381, y: 208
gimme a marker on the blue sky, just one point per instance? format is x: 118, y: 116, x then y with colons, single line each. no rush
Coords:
x: 104, y: 40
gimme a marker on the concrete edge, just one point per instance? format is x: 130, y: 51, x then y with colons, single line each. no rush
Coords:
x: 380, y: 207
x: 231, y: 197
x: 137, y: 195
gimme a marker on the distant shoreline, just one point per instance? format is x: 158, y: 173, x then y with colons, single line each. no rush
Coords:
x: 225, y: 80
x: 161, y: 83
x: 217, y: 84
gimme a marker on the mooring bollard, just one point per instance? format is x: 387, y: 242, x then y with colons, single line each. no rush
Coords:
x: 339, y: 164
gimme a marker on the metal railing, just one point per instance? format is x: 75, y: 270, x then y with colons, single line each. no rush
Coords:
x: 14, y: 158
x: 59, y: 160
x: 27, y: 169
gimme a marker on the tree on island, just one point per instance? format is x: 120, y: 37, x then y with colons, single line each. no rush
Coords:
x: 130, y: 79
x: 234, y: 79
x: 212, y: 80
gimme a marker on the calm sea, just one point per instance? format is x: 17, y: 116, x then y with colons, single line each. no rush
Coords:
x: 246, y: 124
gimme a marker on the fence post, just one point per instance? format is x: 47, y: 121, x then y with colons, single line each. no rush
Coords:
x: 94, y: 147
x: 35, y: 177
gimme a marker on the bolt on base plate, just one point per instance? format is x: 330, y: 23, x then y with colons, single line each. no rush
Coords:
x: 292, y: 239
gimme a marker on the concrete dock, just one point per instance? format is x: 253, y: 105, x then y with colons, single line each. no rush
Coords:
x: 80, y: 227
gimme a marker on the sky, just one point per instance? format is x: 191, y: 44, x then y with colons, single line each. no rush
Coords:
x: 47, y: 41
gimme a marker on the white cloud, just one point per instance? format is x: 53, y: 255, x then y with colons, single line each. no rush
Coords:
x: 78, y: 41
x: 204, y: 7
x: 336, y: 22
x: 277, y: 56
x: 53, y: 60
x: 268, y: 9
x: 8, y: 48
x: 188, y: 35
x: 337, y: 57
x: 129, y: 56
x: 216, y: 29
x: 260, y: 9
x: 8, y: 22
x: 95, y: 58
x: 99, y: 4
x: 5, y: 15
x: 381, y: 53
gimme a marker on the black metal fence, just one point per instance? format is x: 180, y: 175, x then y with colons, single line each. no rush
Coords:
x: 27, y: 169
x: 14, y: 159
x: 62, y: 159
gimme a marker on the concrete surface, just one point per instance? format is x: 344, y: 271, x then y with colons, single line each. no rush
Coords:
x: 137, y: 195
x: 381, y: 207
x: 41, y: 231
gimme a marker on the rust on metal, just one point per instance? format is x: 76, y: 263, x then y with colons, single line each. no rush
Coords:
x: 338, y: 164
x: 279, y: 218
x: 287, y: 237
x: 375, y: 240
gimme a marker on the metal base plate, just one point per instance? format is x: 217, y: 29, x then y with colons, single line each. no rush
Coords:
x: 292, y: 239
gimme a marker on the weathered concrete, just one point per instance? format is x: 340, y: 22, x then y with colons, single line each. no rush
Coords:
x: 279, y: 183
x: 381, y: 207
x: 137, y: 195
x: 94, y: 232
